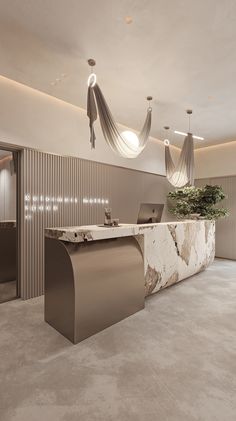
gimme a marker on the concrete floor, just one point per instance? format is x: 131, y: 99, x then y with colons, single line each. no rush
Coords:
x: 173, y: 361
x: 7, y: 291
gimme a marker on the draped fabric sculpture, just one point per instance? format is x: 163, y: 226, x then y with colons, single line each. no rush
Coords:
x: 13, y: 163
x: 183, y: 172
x: 127, y: 144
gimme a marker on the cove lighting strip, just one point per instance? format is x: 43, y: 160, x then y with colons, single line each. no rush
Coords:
x: 186, y: 134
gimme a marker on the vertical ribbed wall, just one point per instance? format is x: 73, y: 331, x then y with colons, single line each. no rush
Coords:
x: 225, y: 227
x: 63, y: 191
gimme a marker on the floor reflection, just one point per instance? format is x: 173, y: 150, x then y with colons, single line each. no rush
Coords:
x: 7, y: 291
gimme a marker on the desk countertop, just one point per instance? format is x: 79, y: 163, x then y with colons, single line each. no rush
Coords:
x: 171, y: 251
x: 78, y: 234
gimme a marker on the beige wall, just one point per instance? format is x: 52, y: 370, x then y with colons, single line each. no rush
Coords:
x: 217, y: 165
x: 31, y: 118
x: 216, y: 161
x: 225, y: 227
x: 7, y: 191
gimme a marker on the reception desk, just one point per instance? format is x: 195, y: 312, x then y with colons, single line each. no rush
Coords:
x: 96, y: 276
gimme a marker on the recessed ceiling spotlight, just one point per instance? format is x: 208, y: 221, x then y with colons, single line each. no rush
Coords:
x: 58, y: 79
x: 128, y: 20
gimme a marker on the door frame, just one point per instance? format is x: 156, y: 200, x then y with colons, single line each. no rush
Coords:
x: 18, y: 150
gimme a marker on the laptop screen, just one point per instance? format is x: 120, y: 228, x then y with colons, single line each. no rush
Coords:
x: 150, y: 213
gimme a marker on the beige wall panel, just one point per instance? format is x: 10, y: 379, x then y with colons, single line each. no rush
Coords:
x: 226, y: 227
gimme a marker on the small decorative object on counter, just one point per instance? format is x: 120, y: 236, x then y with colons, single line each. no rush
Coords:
x: 108, y: 219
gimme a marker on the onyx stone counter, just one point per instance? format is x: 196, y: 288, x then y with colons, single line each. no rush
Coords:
x: 171, y: 251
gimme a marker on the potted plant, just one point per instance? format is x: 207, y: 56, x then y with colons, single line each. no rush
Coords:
x: 197, y: 202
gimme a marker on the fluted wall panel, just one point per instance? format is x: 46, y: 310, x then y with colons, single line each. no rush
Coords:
x: 65, y: 191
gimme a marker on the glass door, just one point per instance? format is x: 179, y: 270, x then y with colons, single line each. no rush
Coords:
x: 8, y: 225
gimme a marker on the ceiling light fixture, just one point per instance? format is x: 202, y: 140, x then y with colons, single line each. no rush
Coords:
x: 189, y: 112
x: 186, y: 134
x: 127, y: 144
x: 92, y: 80
x: 181, y: 133
x: 198, y: 137
x: 182, y: 173
x: 128, y: 20
x: 166, y: 141
x: 131, y: 139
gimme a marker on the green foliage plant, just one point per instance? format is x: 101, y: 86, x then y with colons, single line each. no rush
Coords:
x: 200, y: 202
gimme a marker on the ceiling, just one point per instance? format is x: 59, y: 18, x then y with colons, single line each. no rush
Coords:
x: 181, y: 52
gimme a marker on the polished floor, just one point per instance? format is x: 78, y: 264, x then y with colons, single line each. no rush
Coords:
x: 173, y: 361
x: 7, y: 291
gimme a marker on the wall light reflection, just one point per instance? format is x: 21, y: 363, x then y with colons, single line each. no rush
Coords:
x: 40, y: 203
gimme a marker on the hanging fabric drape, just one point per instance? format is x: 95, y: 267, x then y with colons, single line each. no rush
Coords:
x: 13, y: 163
x: 128, y: 147
x: 183, y: 172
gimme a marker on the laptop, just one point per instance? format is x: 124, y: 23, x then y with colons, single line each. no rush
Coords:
x: 150, y: 213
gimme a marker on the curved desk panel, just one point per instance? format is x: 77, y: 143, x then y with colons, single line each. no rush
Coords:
x: 92, y: 285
